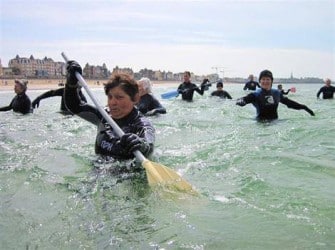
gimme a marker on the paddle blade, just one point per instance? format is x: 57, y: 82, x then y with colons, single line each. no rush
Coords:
x: 170, y: 94
x: 158, y: 174
x: 293, y: 89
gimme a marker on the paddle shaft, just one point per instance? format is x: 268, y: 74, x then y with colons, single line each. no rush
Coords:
x: 139, y: 156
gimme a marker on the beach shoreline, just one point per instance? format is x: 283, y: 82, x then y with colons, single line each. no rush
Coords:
x: 47, y: 84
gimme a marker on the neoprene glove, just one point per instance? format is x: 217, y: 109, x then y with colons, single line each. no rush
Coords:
x: 309, y: 111
x: 72, y: 67
x: 240, y: 102
x: 204, y: 84
x: 132, y: 142
x: 36, y: 103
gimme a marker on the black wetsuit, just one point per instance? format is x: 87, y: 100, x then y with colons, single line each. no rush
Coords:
x: 221, y: 94
x: 149, y: 103
x: 266, y: 103
x: 57, y: 92
x: 283, y: 92
x: 251, y: 85
x: 107, y: 141
x: 20, y: 103
x: 187, y: 90
x: 327, y: 92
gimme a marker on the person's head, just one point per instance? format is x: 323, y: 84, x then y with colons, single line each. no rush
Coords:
x: 266, y: 79
x: 20, y: 86
x: 122, y: 93
x: 328, y: 82
x: 219, y: 85
x: 251, y: 77
x: 144, y: 86
x: 280, y: 87
x: 187, y: 76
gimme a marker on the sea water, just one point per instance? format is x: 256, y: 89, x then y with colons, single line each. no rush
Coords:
x: 261, y: 185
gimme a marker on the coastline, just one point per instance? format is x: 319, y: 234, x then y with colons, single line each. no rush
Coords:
x: 48, y: 84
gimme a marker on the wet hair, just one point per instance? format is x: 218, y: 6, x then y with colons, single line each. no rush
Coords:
x: 125, y: 82
x: 187, y: 73
x: 146, y: 83
x: 219, y: 84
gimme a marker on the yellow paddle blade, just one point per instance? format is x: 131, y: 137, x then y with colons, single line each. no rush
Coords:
x: 158, y: 174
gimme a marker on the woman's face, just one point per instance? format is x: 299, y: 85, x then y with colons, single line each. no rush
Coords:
x: 266, y: 83
x: 120, y: 103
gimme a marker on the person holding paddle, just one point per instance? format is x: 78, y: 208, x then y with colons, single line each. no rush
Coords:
x: 122, y: 95
x: 187, y: 88
x: 148, y: 104
x: 266, y: 99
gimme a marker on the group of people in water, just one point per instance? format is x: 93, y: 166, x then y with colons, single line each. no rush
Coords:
x: 129, y: 102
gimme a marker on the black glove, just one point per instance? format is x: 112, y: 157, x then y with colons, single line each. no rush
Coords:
x: 132, y: 142
x: 309, y: 111
x: 72, y: 67
x: 240, y: 102
x: 205, y: 81
x: 36, y: 103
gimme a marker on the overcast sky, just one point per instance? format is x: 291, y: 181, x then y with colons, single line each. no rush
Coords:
x: 236, y: 37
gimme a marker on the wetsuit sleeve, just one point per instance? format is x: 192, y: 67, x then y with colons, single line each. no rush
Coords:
x: 245, y: 86
x: 257, y: 84
x: 228, y: 96
x: 246, y: 99
x: 294, y: 105
x: 158, y: 108
x: 319, y: 93
x: 5, y: 108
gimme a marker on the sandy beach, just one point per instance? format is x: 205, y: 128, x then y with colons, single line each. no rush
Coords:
x: 47, y: 84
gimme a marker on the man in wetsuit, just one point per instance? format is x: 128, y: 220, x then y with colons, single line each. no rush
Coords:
x: 56, y: 92
x: 266, y: 99
x: 187, y: 88
x: 251, y: 84
x: 122, y: 95
x: 220, y: 92
x: 21, y: 102
x: 327, y: 90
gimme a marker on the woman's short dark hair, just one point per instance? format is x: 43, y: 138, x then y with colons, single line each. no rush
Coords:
x: 127, y: 83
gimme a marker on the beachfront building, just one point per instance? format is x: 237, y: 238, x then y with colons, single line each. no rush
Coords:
x: 1, y: 72
x: 31, y: 67
x: 96, y: 72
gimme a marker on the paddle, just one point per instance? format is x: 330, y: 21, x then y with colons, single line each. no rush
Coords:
x: 175, y: 93
x: 157, y: 174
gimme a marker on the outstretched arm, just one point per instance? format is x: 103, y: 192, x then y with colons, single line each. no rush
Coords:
x: 294, y: 105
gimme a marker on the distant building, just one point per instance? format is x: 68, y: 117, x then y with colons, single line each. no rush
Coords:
x: 31, y: 67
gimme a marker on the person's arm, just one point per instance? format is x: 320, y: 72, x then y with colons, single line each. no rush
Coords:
x: 204, y: 86
x: 295, y: 105
x: 157, y: 108
x: 228, y: 95
x: 9, y: 107
x: 246, y: 100
x: 319, y: 92
x: 257, y: 84
x: 72, y: 98
x: 286, y: 92
x: 50, y: 93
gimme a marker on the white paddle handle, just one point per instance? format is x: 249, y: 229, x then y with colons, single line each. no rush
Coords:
x: 139, y: 156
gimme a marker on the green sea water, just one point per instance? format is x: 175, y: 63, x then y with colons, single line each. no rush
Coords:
x: 261, y: 185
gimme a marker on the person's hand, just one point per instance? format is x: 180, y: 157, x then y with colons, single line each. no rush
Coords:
x: 151, y: 112
x: 309, y: 111
x: 240, y: 102
x: 132, y: 142
x: 205, y: 81
x: 36, y: 103
x: 72, y: 67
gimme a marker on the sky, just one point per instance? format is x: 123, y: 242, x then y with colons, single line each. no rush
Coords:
x: 233, y: 38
